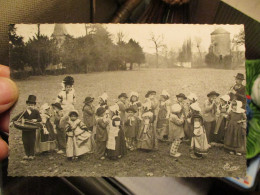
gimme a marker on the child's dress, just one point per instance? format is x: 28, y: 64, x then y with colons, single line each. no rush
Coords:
x: 199, y: 142
x: 78, y: 140
x: 45, y: 136
x: 131, y: 130
x: 176, y: 132
x: 162, y: 128
x: 219, y: 132
x: 235, y: 133
x: 116, y: 144
x: 101, y: 137
x: 67, y: 100
x: 89, y: 116
x: 146, y: 138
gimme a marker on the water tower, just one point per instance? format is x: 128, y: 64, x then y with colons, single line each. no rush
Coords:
x: 220, y: 42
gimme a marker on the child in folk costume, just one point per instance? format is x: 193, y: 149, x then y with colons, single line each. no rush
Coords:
x: 238, y: 91
x: 102, y: 101
x: 146, y: 138
x: 45, y: 136
x: 116, y: 145
x: 89, y: 113
x: 222, y: 113
x: 162, y: 128
x: 199, y: 144
x: 102, y: 126
x: 176, y: 131
x: 131, y: 127
x: 134, y: 102
x: 78, y: 138
x: 57, y: 114
x: 32, y: 115
x: 181, y: 100
x: 150, y: 97
x: 235, y: 135
x: 122, y: 106
x: 67, y: 97
x: 210, y: 112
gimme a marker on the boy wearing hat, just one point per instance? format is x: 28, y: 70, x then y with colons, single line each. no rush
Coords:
x: 122, y: 106
x: 78, y: 138
x: 102, y: 124
x: 89, y: 113
x: 28, y: 137
x: 131, y: 127
x: 210, y: 112
x: 238, y: 91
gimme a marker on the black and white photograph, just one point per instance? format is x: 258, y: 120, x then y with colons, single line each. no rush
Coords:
x: 126, y: 100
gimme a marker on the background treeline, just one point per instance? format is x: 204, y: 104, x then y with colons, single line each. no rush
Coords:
x: 96, y: 51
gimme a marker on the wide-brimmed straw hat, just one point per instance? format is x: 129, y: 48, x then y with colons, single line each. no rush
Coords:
x: 240, y: 76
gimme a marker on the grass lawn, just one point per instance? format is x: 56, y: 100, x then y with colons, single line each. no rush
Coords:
x: 136, y: 163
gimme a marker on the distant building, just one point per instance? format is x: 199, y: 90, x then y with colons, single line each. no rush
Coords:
x: 59, y: 33
x: 220, y: 43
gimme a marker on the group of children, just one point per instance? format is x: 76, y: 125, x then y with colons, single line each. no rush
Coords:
x: 109, y: 130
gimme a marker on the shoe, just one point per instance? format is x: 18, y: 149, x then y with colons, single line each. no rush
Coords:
x: 231, y: 153
x: 60, y: 152
x: 238, y: 154
x: 176, y: 155
x: 102, y: 158
x: 193, y: 156
x: 26, y: 158
x: 119, y: 156
x: 31, y: 157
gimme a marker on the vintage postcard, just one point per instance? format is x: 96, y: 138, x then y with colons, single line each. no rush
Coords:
x: 128, y: 100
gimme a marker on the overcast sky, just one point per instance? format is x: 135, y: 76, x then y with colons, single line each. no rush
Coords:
x: 174, y: 34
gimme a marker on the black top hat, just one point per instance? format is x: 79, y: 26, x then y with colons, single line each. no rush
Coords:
x: 68, y: 80
x: 131, y: 109
x: 31, y: 99
x: 123, y: 95
x: 88, y: 100
x: 181, y: 95
x: 100, y: 111
x: 57, y: 105
x: 240, y: 76
x: 213, y: 93
x: 149, y: 93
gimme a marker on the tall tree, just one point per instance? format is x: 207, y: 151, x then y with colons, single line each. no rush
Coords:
x: 135, y: 53
x: 17, y: 48
x: 158, y: 45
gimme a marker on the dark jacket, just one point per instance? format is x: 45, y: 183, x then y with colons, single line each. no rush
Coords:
x: 101, y: 130
x: 35, y: 114
x: 89, y: 115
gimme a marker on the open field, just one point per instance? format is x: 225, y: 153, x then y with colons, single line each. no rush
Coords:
x: 136, y: 163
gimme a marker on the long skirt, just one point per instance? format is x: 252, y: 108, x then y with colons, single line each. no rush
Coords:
x: 100, y: 149
x: 219, y: 131
x: 187, y: 130
x: 45, y: 142
x: 120, y: 146
x: 235, y: 138
x: 148, y: 140
x: 210, y: 128
x: 162, y: 129
x: 199, y: 144
x: 79, y: 145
